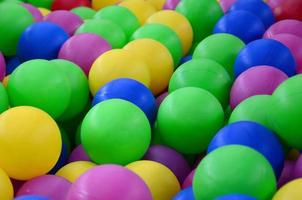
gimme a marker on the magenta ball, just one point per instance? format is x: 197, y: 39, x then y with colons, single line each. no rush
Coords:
x: 226, y: 4
x: 297, y: 172
x: 160, y: 98
x: 287, y: 173
x: 34, y: 11
x: 189, y: 180
x: 83, y: 49
x: 78, y: 154
x: 51, y: 186
x: 66, y: 20
x: 2, y: 66
x: 107, y: 182
x: 290, y: 26
x: 255, y: 81
x: 170, y: 4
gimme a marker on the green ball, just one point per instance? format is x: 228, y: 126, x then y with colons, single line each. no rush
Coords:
x: 206, y: 74
x: 41, y: 3
x: 79, y: 88
x: 164, y: 35
x: 188, y: 119
x: 4, y: 103
x: 108, y: 30
x: 84, y: 12
x: 202, y: 14
x: 223, y: 48
x: 14, y: 19
x: 115, y: 131
x: 78, y: 136
x: 234, y: 169
x: 256, y: 108
x: 121, y: 16
x: 40, y: 83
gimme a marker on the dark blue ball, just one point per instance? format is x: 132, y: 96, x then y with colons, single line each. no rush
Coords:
x: 129, y: 90
x: 258, y: 8
x: 185, y: 59
x: 41, y: 40
x: 61, y: 161
x: 186, y: 194
x: 31, y: 197
x: 255, y: 136
x: 11, y: 64
x: 235, y: 197
x: 243, y: 24
x: 265, y: 52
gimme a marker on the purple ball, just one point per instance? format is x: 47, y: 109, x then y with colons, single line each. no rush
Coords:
x: 83, y: 49
x: 108, y: 182
x: 51, y: 186
x: 160, y: 98
x: 2, y: 66
x: 66, y: 20
x: 297, y: 172
x: 171, y: 159
x: 255, y: 81
x: 171, y: 4
x: 34, y: 11
x: 290, y: 26
x: 78, y: 154
x: 226, y: 4
x: 287, y: 173
x: 189, y: 180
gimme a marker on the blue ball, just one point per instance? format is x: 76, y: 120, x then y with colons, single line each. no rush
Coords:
x: 185, y: 59
x: 243, y: 24
x: 265, y: 52
x: 258, y: 8
x: 186, y: 194
x: 129, y: 90
x: 31, y: 197
x: 41, y: 40
x: 253, y: 135
x: 235, y: 197
x: 61, y: 161
x: 12, y: 63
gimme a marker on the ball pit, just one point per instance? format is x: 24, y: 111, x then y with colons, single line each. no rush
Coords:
x: 291, y: 190
x: 289, y: 26
x: 186, y: 194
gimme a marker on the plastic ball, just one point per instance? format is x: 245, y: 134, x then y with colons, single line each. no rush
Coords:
x: 235, y: 197
x: 185, y: 59
x: 78, y: 154
x: 117, y: 63
x: 106, y: 29
x: 205, y: 74
x: 97, y: 183
x: 252, y: 135
x: 43, y: 4
x: 162, y: 183
x: 5, y: 81
x: 189, y: 180
x: 243, y: 24
x: 98, y: 5
x: 11, y: 64
x: 160, y: 64
x: 6, y: 187
x: 186, y: 194
x: 4, y: 102
x: 38, y: 75
x: 287, y: 173
x: 164, y: 35
x: 37, y: 15
x: 129, y: 90
x: 255, y: 81
x: 31, y: 197
x: 265, y: 52
x: 105, y: 143
x: 226, y: 4
x: 161, y: 98
x: 10, y: 31
x: 44, y: 11
x: 2, y: 67
x: 121, y: 16
x: 289, y: 26
x: 63, y: 157
x: 176, y: 125
x: 222, y: 48
x: 170, y: 4
x: 286, y: 9
x: 69, y: 4
x: 32, y: 42
x: 50, y: 186
x: 291, y: 190
x: 202, y: 15
x: 84, y: 12
x: 253, y: 177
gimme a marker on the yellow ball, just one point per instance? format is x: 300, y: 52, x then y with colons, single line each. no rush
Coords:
x: 6, y: 187
x: 290, y: 191
x: 158, y: 59
x: 141, y: 9
x: 117, y: 63
x: 30, y: 142
x: 44, y: 11
x: 176, y: 22
x: 162, y: 183
x: 5, y: 81
x: 74, y: 170
x: 158, y: 4
x: 99, y: 4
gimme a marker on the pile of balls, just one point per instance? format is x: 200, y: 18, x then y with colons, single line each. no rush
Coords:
x: 150, y: 99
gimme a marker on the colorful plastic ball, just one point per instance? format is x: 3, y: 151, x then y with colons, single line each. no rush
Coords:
x: 258, y: 8
x: 117, y: 63
x: 23, y: 127
x: 31, y: 197
x: 160, y: 64
x: 106, y: 29
x: 226, y: 4
x: 286, y: 9
x: 43, y: 4
x: 129, y: 90
x: 98, y: 5
x: 98, y: 183
x: 185, y: 59
x: 121, y: 16
x: 44, y: 11
x: 84, y: 12
x: 164, y: 35
x: 289, y: 26
x: 105, y: 143
x: 170, y: 4
x: 32, y: 41
x: 5, y: 81
x: 255, y: 81
x: 265, y: 52
x: 176, y: 125
x: 78, y: 154
x: 291, y: 190
x: 254, y: 176
x: 4, y: 102
x: 235, y: 197
x: 11, y: 64
x: 10, y: 32
x: 189, y: 180
x: 186, y: 194
x: 75, y: 50
x: 6, y: 187
x: 287, y: 173
x: 62, y: 159
x: 203, y: 73
x: 39, y: 75
x: 243, y: 24
x: 2, y: 67
x: 202, y: 15
x: 162, y: 183
x: 69, y: 4
x: 37, y: 15
x: 50, y: 186
x: 161, y: 98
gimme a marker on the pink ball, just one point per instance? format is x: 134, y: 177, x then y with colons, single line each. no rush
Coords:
x: 2, y: 66
x: 34, y: 11
x: 226, y: 4
x: 78, y: 154
x: 255, y: 81
x: 189, y: 180
x: 65, y: 19
x: 290, y: 26
x: 51, y: 186
x: 160, y: 98
x: 108, y: 182
x: 171, y: 4
x: 297, y: 172
x: 286, y: 174
x: 83, y: 49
